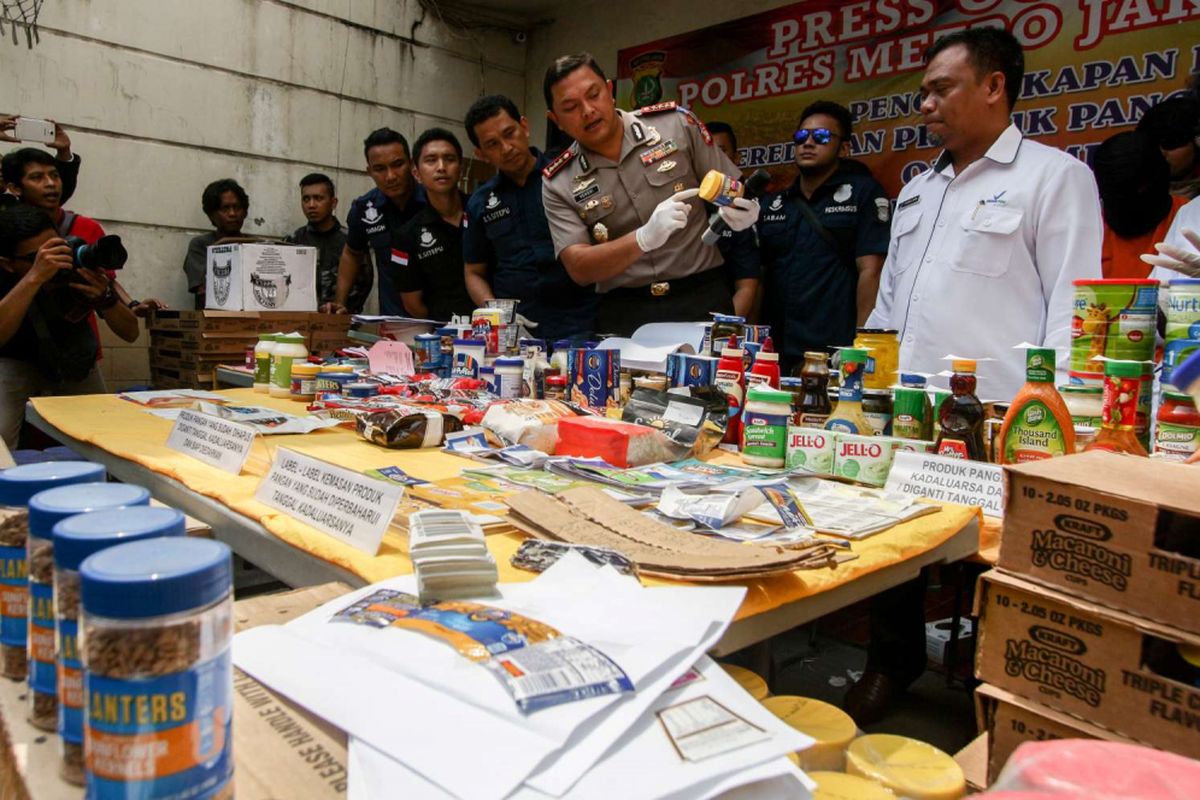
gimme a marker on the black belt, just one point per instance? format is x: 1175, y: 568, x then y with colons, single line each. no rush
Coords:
x: 672, y: 287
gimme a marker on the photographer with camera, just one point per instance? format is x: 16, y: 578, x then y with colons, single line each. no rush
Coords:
x: 48, y: 288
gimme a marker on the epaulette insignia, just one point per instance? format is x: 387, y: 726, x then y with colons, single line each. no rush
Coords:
x: 657, y: 108
x: 555, y: 166
x: 692, y: 118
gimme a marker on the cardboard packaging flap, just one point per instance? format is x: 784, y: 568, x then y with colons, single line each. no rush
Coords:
x: 1163, y: 483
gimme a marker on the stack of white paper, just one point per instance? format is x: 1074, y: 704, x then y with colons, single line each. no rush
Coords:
x: 422, y: 716
x: 450, y: 556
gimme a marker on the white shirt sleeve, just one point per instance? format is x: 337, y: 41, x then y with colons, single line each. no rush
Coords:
x: 1068, y: 240
x: 881, y: 315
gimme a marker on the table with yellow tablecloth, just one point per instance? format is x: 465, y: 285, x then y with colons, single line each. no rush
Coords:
x: 132, y: 443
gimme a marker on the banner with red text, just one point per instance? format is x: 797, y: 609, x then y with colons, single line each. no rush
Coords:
x: 1092, y: 68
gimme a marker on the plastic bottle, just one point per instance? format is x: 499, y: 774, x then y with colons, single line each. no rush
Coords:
x: 158, y: 622
x: 1186, y: 377
x: 288, y: 348
x: 1122, y: 385
x: 764, y: 426
x: 815, y: 406
x: 766, y: 367
x: 847, y: 416
x: 731, y: 379
x: 961, y: 417
x: 262, y: 362
x: 509, y: 377
x: 1038, y: 423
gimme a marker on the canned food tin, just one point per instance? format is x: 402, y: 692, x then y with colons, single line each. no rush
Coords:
x: 1113, y: 318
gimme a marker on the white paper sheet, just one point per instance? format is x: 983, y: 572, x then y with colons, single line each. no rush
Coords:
x: 644, y: 764
x: 653, y: 634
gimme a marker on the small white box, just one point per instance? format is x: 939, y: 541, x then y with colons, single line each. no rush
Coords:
x: 937, y: 639
x: 261, y: 277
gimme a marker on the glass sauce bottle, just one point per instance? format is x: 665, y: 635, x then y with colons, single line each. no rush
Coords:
x: 1122, y: 385
x: 815, y: 407
x: 961, y: 417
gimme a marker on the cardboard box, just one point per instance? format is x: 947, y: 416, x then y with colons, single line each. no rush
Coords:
x: 1009, y: 721
x: 245, y: 322
x: 1112, y: 669
x: 1109, y: 528
x: 261, y: 277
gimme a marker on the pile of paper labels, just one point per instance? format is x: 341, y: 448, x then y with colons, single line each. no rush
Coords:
x: 425, y: 720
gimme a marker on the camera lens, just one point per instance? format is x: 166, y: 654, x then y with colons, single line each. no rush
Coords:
x: 106, y: 253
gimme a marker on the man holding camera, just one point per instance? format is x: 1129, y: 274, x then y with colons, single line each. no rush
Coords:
x: 47, y: 345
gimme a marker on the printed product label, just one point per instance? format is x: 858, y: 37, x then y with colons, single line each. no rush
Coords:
x: 810, y: 448
x: 1176, y: 442
x: 842, y: 426
x: 14, y: 596
x: 1034, y: 435
x: 536, y: 664
x: 41, y: 638
x: 1120, y: 401
x: 906, y: 426
x: 813, y: 420
x: 881, y: 424
x: 262, y: 368
x: 954, y: 448
x: 765, y: 435
x: 866, y: 459
x: 756, y: 380
x: 281, y: 371
x: 164, y: 737
x: 70, y: 683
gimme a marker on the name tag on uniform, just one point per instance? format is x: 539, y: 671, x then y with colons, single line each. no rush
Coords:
x: 580, y: 196
x: 659, y: 153
x: 912, y: 201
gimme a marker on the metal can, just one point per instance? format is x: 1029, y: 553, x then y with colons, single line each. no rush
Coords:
x: 1183, y: 309
x: 1113, y: 318
x: 883, y: 356
x: 429, y: 347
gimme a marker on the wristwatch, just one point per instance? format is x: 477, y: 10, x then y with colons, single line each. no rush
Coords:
x: 107, y: 300
x: 133, y: 304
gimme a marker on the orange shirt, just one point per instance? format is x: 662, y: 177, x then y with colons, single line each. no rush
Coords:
x: 1119, y: 257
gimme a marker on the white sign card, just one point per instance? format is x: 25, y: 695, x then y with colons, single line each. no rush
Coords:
x: 949, y: 480
x: 343, y: 503
x: 215, y: 441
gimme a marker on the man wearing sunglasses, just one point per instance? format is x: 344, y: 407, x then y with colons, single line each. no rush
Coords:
x: 984, y: 249
x: 822, y: 240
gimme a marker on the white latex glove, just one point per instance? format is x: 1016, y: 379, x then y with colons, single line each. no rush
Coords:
x: 669, y: 216
x: 741, y: 215
x: 526, y: 323
x: 1177, y: 258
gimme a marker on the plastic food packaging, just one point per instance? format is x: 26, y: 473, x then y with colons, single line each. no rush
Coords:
x: 909, y: 767
x: 76, y: 538
x: 156, y: 627
x: 46, y: 509
x: 622, y: 444
x: 532, y: 423
x: 832, y: 728
x: 691, y: 424
x: 1098, y: 770
x: 407, y: 427
x: 17, y: 486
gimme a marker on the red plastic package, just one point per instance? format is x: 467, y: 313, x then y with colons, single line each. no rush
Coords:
x: 1097, y: 770
x: 622, y: 444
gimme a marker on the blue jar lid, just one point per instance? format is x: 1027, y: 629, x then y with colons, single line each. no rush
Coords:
x: 154, y: 577
x: 77, y: 537
x: 1183, y: 282
x: 509, y: 362
x: 471, y: 342
x: 1185, y: 375
x: 49, y: 507
x: 787, y: 380
x: 729, y: 318
x: 428, y: 337
x: 18, y: 484
x: 912, y: 378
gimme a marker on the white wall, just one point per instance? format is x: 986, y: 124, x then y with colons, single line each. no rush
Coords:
x: 164, y: 96
x: 603, y: 27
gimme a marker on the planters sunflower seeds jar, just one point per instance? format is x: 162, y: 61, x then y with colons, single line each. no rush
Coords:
x: 156, y: 626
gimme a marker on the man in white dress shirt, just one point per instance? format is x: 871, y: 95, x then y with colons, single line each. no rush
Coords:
x: 983, y: 251
x: 985, y: 245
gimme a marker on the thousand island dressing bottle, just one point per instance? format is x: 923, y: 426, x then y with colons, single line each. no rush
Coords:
x: 1038, y: 423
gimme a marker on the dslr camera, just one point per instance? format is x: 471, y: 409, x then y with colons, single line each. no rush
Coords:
x: 107, y: 253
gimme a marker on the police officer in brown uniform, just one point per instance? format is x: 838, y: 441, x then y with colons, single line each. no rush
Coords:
x: 622, y: 202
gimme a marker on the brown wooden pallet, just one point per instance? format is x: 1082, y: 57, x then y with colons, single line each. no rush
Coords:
x: 213, y: 321
x: 228, y: 343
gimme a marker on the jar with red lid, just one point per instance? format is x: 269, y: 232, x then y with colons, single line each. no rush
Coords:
x: 1177, y: 434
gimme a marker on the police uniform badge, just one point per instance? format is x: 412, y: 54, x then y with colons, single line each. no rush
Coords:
x: 883, y: 209
x: 600, y: 232
x: 843, y: 193
x: 667, y: 166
